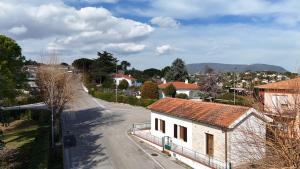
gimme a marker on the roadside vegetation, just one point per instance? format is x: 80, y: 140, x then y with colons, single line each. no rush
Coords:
x: 97, y: 78
x: 27, y: 141
x: 121, y: 98
x: 24, y: 134
x: 228, y: 98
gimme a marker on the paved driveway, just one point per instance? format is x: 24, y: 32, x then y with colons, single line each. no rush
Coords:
x: 100, y: 129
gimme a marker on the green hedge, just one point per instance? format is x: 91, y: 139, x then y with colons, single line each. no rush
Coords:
x: 12, y: 115
x: 227, y: 98
x: 111, y: 97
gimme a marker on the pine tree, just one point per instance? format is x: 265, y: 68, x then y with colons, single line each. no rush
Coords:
x: 103, y: 67
x: 178, y: 71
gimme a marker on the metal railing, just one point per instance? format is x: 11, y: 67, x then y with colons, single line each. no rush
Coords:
x: 140, y: 130
x: 141, y: 126
x: 199, y: 157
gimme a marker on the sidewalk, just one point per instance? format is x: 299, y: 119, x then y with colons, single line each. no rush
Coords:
x: 165, y: 161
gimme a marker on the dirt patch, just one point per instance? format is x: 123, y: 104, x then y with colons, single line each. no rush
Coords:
x: 8, y: 158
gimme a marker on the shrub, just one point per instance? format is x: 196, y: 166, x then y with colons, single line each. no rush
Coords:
x: 149, y: 90
x: 104, y: 96
x: 170, y: 91
x: 182, y: 96
x: 1, y: 140
x: 108, y: 83
x: 228, y: 98
x: 123, y: 84
x: 146, y: 102
x: 132, y: 100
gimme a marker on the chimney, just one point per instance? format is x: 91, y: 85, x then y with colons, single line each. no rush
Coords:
x: 186, y: 81
x: 163, y: 80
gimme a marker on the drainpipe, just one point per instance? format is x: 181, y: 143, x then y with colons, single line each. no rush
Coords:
x: 226, y: 156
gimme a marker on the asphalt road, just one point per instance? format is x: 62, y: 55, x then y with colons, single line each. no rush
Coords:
x: 100, y: 129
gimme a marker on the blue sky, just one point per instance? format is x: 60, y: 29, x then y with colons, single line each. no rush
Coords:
x: 152, y: 33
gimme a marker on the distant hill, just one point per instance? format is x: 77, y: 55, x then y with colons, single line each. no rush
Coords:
x: 221, y: 68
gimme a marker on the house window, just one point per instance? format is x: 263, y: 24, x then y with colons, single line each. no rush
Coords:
x: 175, y: 130
x: 209, y: 144
x: 162, y: 126
x: 183, y: 133
x: 280, y: 102
x: 156, y: 124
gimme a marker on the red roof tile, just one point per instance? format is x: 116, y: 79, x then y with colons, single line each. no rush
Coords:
x: 121, y: 75
x: 180, y: 85
x: 286, y: 84
x: 215, y: 114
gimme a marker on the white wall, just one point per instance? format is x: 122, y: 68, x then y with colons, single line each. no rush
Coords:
x: 187, y: 92
x: 240, y: 148
x: 199, y: 140
x: 118, y: 80
x: 274, y: 105
x: 169, y: 128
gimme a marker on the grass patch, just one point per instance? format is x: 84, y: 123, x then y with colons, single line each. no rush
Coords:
x: 21, y: 135
x: 30, y: 142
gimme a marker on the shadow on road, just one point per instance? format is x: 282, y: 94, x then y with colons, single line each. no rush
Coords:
x: 87, y: 126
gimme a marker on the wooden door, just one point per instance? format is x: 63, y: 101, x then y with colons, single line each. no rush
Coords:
x: 209, y: 144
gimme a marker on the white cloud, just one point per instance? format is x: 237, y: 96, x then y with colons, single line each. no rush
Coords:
x: 163, y: 49
x: 165, y: 22
x: 51, y: 24
x: 73, y: 31
x: 195, y: 9
x: 238, y: 43
x: 92, y: 1
x: 18, y: 30
x: 125, y: 48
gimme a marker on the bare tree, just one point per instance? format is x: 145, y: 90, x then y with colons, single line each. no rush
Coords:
x: 209, y: 86
x: 279, y: 147
x: 55, y: 87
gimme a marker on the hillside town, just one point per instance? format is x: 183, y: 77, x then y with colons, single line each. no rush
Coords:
x: 145, y: 84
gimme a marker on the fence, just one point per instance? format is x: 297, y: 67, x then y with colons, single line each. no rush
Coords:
x: 199, y: 157
x: 142, y: 130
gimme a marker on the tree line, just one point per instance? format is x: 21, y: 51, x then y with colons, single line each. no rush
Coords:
x: 99, y: 70
x: 12, y: 76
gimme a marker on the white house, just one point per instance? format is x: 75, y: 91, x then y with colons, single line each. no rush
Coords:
x: 118, y: 77
x: 191, y: 90
x: 280, y: 96
x: 211, y: 131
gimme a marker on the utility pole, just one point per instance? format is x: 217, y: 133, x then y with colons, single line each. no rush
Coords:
x: 52, y: 118
x: 116, y: 83
x: 234, y: 86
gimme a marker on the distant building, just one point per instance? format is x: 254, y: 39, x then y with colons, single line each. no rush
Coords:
x: 240, y: 91
x: 118, y: 77
x: 31, y: 71
x: 211, y: 131
x: 281, y: 102
x: 191, y: 90
x: 279, y: 96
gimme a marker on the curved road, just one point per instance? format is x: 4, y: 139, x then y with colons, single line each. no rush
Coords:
x: 100, y: 129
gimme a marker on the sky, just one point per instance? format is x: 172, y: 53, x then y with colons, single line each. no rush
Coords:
x: 152, y: 33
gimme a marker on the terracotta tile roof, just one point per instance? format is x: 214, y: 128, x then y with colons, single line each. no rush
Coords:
x: 286, y: 84
x: 180, y: 85
x: 215, y: 114
x: 121, y: 75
